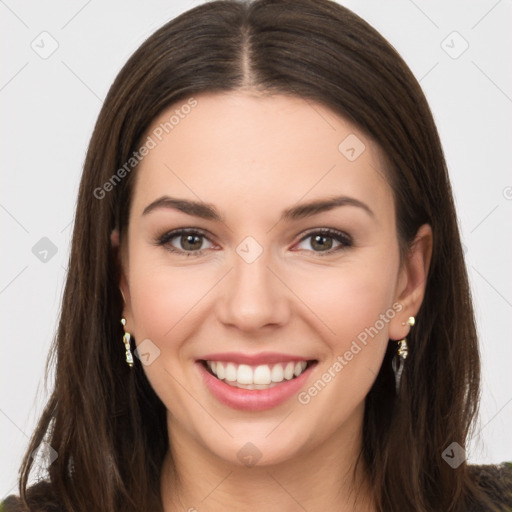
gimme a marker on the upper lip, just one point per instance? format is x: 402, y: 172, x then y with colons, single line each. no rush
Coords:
x: 253, y: 359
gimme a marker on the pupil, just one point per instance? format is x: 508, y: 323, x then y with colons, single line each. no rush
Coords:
x: 321, y: 237
x: 189, y: 239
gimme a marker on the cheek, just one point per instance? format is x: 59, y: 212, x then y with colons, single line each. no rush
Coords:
x: 358, y: 313
x: 165, y: 300
x: 166, y: 304
x: 159, y: 295
x: 354, y: 308
x: 349, y: 299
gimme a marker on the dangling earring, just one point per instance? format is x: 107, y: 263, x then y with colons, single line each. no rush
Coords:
x: 399, y: 359
x: 126, y: 340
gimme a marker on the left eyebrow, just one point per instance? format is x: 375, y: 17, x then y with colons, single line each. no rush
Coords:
x: 322, y: 205
x: 208, y: 211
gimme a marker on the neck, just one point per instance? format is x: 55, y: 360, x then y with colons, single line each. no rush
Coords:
x: 193, y: 479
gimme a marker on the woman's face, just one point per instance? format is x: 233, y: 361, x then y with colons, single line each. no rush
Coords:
x: 254, y: 289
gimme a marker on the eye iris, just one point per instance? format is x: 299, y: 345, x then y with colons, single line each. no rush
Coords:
x: 322, y: 245
x: 188, y: 240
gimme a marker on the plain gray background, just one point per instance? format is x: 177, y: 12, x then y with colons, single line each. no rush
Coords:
x: 49, y: 107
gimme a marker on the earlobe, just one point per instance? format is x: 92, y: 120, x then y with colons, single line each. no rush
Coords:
x: 114, y: 238
x: 123, y: 284
x: 123, y: 288
x: 125, y: 293
x: 122, y: 294
x: 413, y: 280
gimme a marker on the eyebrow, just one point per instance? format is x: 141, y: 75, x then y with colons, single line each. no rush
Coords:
x: 209, y: 212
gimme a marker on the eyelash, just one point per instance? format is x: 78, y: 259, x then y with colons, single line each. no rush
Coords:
x: 339, y: 236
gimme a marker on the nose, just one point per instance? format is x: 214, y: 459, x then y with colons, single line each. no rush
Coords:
x: 253, y: 296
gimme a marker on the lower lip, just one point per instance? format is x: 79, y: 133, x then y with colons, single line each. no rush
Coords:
x: 254, y: 399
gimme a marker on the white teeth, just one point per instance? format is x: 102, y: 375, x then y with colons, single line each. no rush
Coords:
x: 288, y: 371
x: 300, y: 367
x: 277, y: 373
x: 262, y: 376
x: 244, y: 374
x: 219, y: 370
x: 230, y: 371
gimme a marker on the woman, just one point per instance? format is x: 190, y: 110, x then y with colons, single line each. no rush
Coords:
x: 266, y: 305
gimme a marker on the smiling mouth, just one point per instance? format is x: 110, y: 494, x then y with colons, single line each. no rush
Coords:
x: 262, y: 376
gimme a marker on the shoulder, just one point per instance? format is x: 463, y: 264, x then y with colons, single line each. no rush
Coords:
x: 40, y: 498
x: 495, y: 480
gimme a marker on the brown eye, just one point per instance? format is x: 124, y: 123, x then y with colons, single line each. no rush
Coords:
x: 323, y: 241
x: 191, y: 242
x: 185, y: 242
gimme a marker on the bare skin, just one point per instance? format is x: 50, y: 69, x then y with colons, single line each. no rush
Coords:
x: 252, y: 157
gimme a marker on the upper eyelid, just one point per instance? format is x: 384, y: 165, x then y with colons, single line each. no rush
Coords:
x: 179, y: 231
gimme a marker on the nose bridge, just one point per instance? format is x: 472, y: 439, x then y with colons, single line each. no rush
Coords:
x: 253, y: 296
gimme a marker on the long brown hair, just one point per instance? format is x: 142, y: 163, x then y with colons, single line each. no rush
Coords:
x: 104, y: 421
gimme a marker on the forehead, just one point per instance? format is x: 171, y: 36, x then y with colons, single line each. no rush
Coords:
x: 258, y: 150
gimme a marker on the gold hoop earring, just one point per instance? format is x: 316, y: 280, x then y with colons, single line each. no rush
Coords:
x: 126, y: 341
x: 398, y: 360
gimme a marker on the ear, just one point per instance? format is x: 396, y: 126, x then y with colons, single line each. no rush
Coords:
x: 412, y: 281
x: 122, y: 261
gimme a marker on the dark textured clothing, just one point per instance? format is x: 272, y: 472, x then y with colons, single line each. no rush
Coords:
x: 495, y: 480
